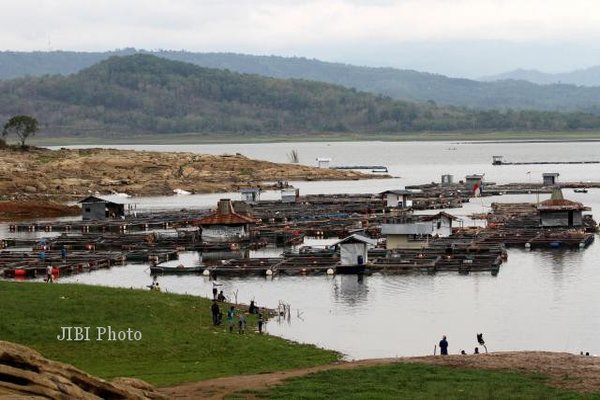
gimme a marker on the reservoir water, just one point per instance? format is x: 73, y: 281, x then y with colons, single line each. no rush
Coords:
x: 540, y: 300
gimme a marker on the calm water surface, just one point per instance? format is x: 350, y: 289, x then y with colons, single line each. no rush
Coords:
x: 540, y: 300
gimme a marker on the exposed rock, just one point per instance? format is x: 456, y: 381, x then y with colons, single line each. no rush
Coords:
x: 25, y: 373
x: 66, y: 174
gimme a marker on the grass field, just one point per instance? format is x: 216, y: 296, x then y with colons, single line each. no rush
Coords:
x: 179, y: 343
x: 192, y: 138
x: 416, y: 382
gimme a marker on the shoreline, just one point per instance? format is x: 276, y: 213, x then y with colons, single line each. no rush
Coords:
x: 190, y: 138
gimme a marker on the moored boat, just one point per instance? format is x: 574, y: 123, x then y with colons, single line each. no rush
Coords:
x: 176, y: 269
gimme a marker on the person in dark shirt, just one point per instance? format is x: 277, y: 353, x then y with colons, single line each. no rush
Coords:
x: 252, y: 309
x: 444, y: 346
x: 261, y: 321
x: 215, y: 313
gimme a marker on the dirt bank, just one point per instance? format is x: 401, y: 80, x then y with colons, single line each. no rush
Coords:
x: 20, y: 210
x: 70, y: 174
x: 564, y: 370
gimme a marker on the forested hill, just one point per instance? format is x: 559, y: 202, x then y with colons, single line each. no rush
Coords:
x: 396, y: 83
x: 147, y: 94
x: 584, y: 77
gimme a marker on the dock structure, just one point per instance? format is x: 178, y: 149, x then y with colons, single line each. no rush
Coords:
x: 140, y: 222
x: 499, y: 160
x: 158, y: 237
x: 372, y: 168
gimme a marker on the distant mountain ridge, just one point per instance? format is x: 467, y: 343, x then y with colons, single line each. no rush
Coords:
x: 398, y: 84
x: 582, y: 77
x: 145, y: 94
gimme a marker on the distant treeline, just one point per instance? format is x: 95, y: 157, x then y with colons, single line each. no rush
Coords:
x: 396, y: 83
x: 145, y: 94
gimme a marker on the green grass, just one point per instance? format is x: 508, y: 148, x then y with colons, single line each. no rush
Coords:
x: 415, y: 382
x: 179, y: 343
x: 194, y: 138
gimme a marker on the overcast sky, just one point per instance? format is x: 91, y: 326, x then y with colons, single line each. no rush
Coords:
x: 460, y: 37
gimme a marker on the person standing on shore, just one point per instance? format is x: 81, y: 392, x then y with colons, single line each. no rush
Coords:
x: 230, y: 317
x: 444, y: 346
x: 260, y: 322
x: 49, y: 278
x: 242, y: 323
x: 215, y: 312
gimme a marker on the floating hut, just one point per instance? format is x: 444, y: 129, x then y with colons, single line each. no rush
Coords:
x: 354, y: 252
x: 406, y: 235
x: 397, y: 198
x: 474, y: 181
x: 290, y: 195
x: 560, y: 212
x: 323, y: 162
x: 441, y: 223
x: 250, y: 195
x: 225, y: 225
x: 550, y: 178
x: 93, y: 207
x: 447, y: 179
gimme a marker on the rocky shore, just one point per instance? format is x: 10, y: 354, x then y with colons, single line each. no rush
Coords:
x: 67, y: 174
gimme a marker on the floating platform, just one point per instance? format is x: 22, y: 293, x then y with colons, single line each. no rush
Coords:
x: 372, y: 168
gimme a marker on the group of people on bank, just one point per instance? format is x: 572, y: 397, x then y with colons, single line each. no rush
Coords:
x: 444, y: 345
x: 234, y: 317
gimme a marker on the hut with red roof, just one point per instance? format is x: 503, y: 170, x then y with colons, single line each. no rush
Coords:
x: 560, y: 212
x: 225, y: 225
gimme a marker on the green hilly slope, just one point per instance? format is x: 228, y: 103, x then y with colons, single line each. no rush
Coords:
x: 396, y: 83
x: 141, y: 94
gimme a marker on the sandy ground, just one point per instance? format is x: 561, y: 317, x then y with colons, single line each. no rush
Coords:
x: 564, y: 370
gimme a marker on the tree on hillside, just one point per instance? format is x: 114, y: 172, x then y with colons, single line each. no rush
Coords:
x: 21, y: 125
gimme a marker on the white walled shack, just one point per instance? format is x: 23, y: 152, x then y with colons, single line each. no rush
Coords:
x: 354, y: 249
x: 441, y: 223
x: 560, y: 212
x: 397, y: 198
x: 406, y: 235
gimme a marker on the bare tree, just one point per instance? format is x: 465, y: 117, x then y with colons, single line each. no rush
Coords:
x: 293, y: 157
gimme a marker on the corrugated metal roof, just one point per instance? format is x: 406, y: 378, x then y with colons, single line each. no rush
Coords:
x: 401, y: 192
x: 407, y: 229
x: 356, y: 238
x: 96, y: 199
x: 560, y: 204
x: 225, y: 219
x: 438, y: 216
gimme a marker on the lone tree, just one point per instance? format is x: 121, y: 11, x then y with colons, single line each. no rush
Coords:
x: 21, y: 125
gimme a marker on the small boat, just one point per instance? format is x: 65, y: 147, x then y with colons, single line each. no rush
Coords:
x: 176, y: 269
x: 581, y: 190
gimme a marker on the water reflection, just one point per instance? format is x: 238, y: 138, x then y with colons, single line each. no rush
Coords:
x: 351, y: 290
